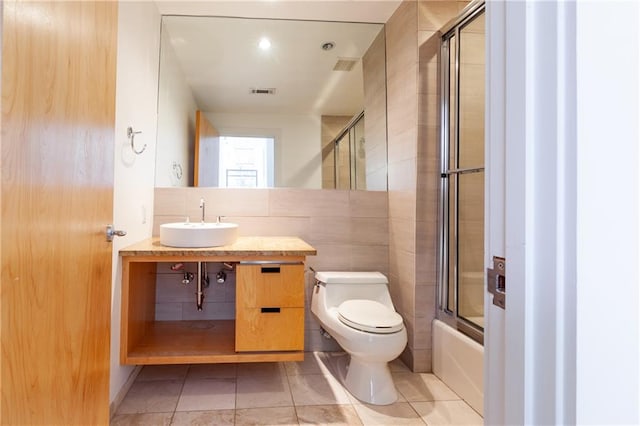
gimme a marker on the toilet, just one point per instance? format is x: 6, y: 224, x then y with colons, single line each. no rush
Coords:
x: 355, y: 308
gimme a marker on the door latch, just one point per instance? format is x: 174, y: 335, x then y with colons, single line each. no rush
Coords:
x: 496, y: 281
x: 112, y: 232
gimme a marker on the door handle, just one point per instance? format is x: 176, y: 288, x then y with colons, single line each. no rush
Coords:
x: 111, y: 232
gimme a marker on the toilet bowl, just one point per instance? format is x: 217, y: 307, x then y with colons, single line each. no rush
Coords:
x: 355, y: 308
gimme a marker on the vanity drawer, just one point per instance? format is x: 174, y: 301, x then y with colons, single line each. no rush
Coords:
x: 269, y: 284
x: 270, y: 329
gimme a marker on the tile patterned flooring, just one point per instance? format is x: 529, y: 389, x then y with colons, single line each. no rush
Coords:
x: 287, y: 393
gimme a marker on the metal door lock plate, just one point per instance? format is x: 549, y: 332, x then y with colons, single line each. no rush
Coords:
x: 496, y: 281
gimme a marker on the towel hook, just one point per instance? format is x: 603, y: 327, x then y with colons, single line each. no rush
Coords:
x: 177, y: 170
x: 131, y: 135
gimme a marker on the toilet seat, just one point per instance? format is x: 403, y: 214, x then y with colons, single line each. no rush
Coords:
x: 369, y: 316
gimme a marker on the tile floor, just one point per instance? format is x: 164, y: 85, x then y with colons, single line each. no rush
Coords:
x: 288, y: 393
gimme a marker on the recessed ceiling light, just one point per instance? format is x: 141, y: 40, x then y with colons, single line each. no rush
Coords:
x: 264, y: 44
x: 328, y: 45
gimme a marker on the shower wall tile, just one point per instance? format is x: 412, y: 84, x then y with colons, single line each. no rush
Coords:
x: 426, y: 295
x: 402, y: 205
x: 429, y: 110
x: 421, y: 360
x: 400, y: 36
x: 427, y: 249
x: 404, y: 144
x: 426, y: 37
x: 402, y: 175
x: 420, y: 329
x: 428, y: 81
x: 432, y: 15
x: 402, y: 236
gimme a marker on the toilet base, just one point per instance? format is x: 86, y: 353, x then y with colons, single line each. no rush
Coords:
x: 370, y: 382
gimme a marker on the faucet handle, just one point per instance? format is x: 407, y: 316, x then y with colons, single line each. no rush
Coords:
x: 219, y: 219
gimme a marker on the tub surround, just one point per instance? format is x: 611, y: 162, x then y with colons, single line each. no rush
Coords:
x: 270, y: 305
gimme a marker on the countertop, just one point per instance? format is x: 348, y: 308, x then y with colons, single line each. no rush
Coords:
x: 244, y: 246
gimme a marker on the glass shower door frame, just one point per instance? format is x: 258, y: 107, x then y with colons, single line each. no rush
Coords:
x: 450, y: 174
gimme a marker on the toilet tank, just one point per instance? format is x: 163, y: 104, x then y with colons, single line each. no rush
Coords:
x: 341, y: 286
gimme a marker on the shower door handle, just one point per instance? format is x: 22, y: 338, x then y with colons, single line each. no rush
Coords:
x: 496, y: 281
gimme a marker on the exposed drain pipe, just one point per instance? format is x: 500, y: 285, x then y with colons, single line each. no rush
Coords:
x: 199, y: 292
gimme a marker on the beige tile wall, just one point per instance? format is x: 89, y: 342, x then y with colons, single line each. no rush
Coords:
x: 374, y: 81
x: 349, y: 229
x: 413, y: 146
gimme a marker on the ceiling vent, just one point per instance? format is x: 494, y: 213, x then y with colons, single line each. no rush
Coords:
x: 268, y: 91
x: 345, y: 64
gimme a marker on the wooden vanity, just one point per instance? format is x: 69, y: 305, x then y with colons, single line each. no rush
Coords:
x: 269, y: 323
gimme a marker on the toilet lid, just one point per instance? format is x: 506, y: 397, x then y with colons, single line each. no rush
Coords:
x: 369, y: 316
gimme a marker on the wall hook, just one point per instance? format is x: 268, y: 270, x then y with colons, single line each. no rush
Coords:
x: 131, y: 135
x: 177, y: 170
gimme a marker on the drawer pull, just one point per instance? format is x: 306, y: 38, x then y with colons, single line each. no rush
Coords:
x: 270, y: 269
x: 270, y: 310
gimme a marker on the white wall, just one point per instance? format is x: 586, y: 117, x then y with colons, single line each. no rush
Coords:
x: 136, y: 100
x: 176, y: 118
x: 608, y: 186
x: 297, y: 157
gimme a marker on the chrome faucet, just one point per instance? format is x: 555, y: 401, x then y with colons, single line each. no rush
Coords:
x: 202, y: 207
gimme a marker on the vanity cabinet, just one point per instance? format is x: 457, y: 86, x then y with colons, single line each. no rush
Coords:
x: 269, y: 321
x: 270, y: 307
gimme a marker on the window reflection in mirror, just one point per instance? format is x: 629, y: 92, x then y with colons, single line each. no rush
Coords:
x: 246, y: 162
x: 290, y: 90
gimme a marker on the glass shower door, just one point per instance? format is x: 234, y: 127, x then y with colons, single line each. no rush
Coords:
x: 462, y: 214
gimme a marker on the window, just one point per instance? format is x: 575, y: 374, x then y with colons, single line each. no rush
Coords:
x: 246, y: 162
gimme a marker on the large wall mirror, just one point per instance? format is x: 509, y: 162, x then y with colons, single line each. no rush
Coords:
x: 246, y: 102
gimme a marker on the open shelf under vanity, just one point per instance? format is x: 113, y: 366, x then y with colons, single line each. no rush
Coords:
x: 196, y: 342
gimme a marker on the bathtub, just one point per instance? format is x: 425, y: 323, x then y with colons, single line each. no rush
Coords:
x: 458, y: 362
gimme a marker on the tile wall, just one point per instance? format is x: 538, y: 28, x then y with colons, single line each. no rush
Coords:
x: 349, y: 229
x: 413, y: 150
x: 375, y: 101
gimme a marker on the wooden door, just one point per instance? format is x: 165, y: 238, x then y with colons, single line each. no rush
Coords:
x: 207, y: 152
x: 58, y: 112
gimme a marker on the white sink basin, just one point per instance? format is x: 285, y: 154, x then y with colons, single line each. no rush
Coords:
x: 185, y: 234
